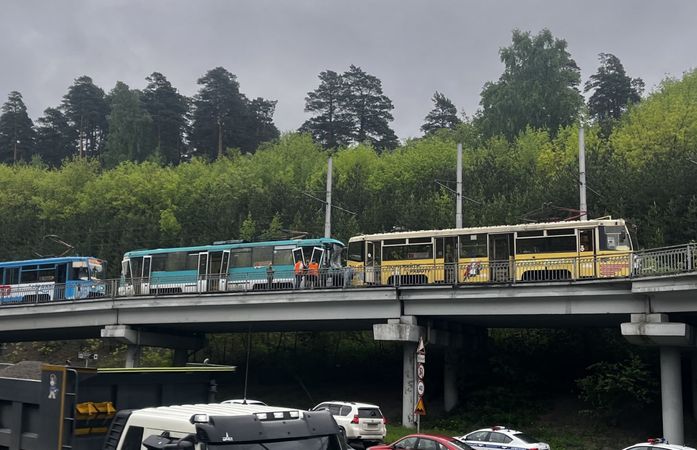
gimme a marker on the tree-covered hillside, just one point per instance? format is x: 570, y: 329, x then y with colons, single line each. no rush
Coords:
x: 643, y: 172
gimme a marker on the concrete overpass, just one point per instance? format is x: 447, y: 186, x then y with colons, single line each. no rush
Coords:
x: 653, y: 310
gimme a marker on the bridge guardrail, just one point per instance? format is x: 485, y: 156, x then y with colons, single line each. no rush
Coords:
x: 645, y: 263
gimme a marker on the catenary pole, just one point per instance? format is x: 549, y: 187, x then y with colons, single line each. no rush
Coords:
x: 328, y: 205
x: 458, y: 199
x: 583, y: 207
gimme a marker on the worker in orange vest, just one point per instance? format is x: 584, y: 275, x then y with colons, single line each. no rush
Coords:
x: 313, y: 273
x: 299, y: 273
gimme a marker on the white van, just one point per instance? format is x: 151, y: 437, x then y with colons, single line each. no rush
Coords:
x: 223, y: 427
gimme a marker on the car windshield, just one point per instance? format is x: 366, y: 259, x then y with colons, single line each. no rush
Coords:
x: 526, y: 438
x: 369, y: 413
x: 312, y: 443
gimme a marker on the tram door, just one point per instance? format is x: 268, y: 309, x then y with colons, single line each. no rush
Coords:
x: 450, y: 259
x: 145, y: 275
x: 214, y: 272
x: 203, y: 272
x: 586, y: 254
x: 224, y: 267
x: 370, y: 266
x: 500, y: 256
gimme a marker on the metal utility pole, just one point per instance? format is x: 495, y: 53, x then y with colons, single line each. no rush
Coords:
x: 458, y: 194
x: 582, y: 174
x: 328, y: 203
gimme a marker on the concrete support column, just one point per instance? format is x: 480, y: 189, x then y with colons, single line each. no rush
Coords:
x: 671, y: 396
x: 449, y: 379
x: 132, y: 355
x: 406, y: 330
x: 408, y: 383
x: 693, y: 383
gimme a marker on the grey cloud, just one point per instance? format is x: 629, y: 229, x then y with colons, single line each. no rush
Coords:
x: 277, y: 48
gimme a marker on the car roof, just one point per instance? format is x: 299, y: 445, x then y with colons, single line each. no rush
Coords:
x: 356, y: 404
x: 433, y: 436
x: 664, y: 446
x: 500, y: 429
x: 243, y: 401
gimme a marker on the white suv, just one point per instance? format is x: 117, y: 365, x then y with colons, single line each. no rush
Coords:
x: 358, y: 421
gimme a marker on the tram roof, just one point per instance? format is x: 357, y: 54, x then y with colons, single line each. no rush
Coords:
x: 226, y: 246
x: 51, y: 260
x: 493, y: 229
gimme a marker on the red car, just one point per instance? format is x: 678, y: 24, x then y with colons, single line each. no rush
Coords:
x: 424, y: 442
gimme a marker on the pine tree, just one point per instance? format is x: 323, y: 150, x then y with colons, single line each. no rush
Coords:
x: 168, y: 110
x: 369, y: 109
x: 260, y: 124
x: 55, y: 139
x: 224, y: 118
x: 16, y: 130
x: 129, y: 136
x: 613, y: 91
x: 331, y: 126
x: 443, y: 115
x: 350, y: 108
x: 86, y: 109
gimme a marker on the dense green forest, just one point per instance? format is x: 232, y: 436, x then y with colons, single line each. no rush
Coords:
x: 643, y: 171
x: 130, y: 169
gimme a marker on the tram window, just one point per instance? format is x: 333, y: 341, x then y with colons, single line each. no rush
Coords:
x: 12, y: 276
x: 585, y: 240
x: 426, y: 240
x: 80, y: 273
x: 159, y: 263
x: 241, y: 257
x: 29, y: 274
x: 356, y: 251
x: 282, y: 256
x: 614, y: 238
x: 395, y: 241
x: 174, y: 261
x: 552, y: 244
x: 423, y: 251
x: 561, y: 244
x: 532, y: 233
x: 47, y: 272
x: 473, y: 246
x: 136, y: 266
x: 262, y: 256
x: 399, y: 252
x: 561, y: 232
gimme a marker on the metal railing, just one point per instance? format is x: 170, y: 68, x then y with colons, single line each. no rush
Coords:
x: 645, y: 263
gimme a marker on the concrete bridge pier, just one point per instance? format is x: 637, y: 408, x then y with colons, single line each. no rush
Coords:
x: 135, y: 339
x: 406, y: 330
x: 671, y: 396
x: 670, y: 337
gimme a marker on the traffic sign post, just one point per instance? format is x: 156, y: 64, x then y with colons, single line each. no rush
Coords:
x: 420, y: 409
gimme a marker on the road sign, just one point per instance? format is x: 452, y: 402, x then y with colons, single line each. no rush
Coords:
x: 420, y: 388
x: 421, y: 348
x: 420, y: 409
x: 420, y: 371
x: 421, y: 359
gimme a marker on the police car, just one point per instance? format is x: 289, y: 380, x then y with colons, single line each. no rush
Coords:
x: 499, y: 437
x: 657, y: 443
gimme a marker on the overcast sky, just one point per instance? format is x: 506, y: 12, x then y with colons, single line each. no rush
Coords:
x: 278, y: 47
